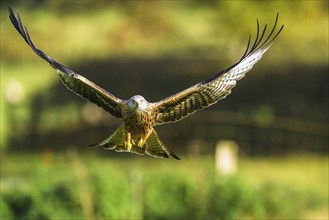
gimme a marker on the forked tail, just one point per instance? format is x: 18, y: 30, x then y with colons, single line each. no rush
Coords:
x: 153, y: 145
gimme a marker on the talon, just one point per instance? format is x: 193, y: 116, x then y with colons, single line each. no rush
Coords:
x: 129, y: 146
x: 140, y: 142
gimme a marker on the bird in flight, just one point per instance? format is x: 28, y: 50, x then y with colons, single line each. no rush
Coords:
x: 136, y: 134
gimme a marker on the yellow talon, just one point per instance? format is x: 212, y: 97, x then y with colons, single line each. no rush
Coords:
x: 140, y: 142
x: 129, y: 146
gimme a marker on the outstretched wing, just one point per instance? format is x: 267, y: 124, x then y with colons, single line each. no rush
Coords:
x: 210, y: 91
x: 73, y: 81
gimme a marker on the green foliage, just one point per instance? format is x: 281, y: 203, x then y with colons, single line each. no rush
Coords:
x: 132, y: 189
x: 112, y: 193
x: 179, y: 197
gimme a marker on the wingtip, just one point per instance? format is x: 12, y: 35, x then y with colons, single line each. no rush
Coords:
x: 11, y: 13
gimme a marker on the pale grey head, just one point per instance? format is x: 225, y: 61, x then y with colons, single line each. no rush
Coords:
x: 138, y: 103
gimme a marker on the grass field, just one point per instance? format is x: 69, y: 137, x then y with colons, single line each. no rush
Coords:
x: 87, y: 186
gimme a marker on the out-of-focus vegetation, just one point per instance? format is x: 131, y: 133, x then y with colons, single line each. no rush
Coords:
x: 67, y: 186
x: 156, y: 49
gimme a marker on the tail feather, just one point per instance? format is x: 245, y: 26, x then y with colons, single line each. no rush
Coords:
x: 111, y: 142
x: 153, y: 146
x: 134, y: 149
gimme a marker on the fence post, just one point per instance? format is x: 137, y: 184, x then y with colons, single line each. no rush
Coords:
x: 226, y: 158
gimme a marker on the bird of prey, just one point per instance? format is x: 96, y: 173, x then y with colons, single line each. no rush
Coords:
x: 137, y: 134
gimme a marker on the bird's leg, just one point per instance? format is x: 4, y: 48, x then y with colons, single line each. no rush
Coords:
x: 143, y: 139
x: 128, y: 144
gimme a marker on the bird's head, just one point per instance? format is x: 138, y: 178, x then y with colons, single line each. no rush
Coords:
x: 138, y: 102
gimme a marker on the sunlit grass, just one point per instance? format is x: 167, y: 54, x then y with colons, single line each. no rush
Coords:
x: 294, y: 168
x: 144, y: 30
x: 34, y: 76
x: 302, y: 180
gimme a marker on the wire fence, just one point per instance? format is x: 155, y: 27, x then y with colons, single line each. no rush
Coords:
x: 255, y: 136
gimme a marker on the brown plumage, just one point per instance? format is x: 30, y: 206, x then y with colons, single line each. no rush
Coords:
x: 136, y: 134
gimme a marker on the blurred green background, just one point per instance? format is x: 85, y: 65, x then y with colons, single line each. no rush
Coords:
x: 277, y: 115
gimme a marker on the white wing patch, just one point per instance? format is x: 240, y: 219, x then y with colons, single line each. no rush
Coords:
x: 228, y: 80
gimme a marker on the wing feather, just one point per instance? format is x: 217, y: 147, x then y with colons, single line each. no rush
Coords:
x: 73, y: 81
x: 210, y: 91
